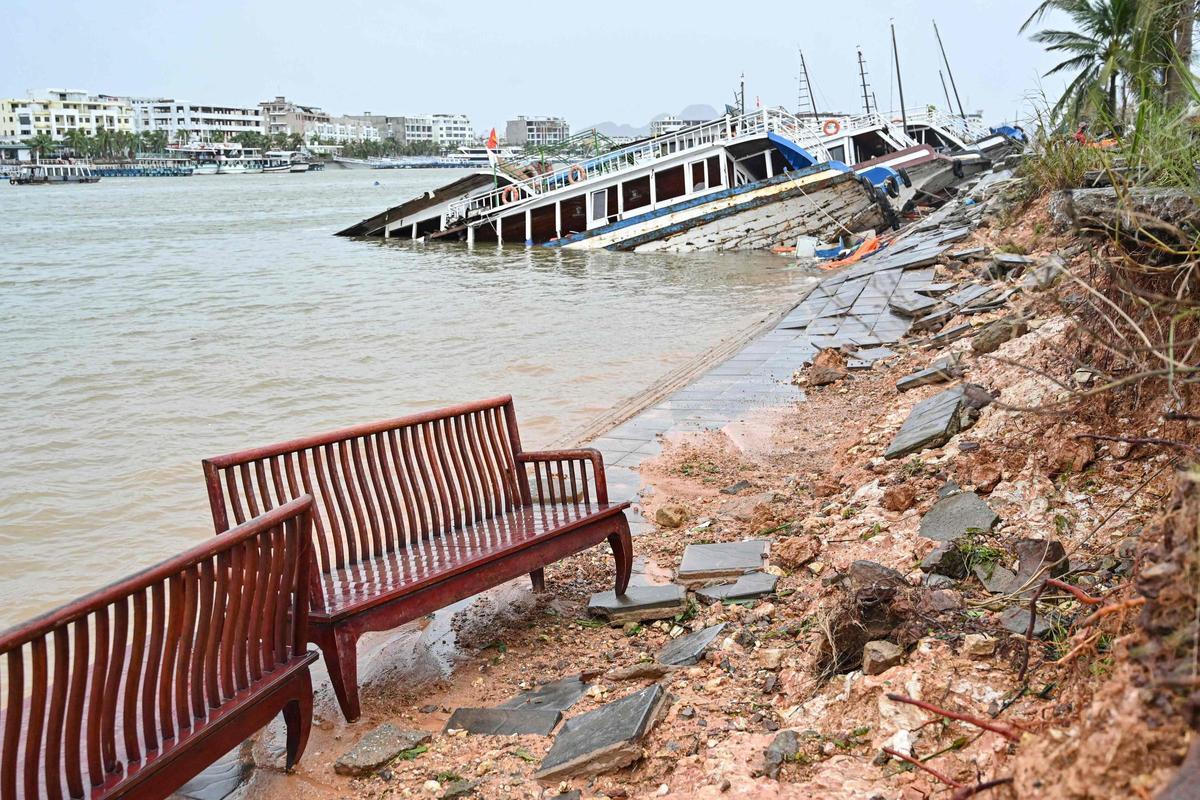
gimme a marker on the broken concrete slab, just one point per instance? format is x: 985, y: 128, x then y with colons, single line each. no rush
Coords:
x: 703, y: 562
x: 559, y: 695
x: 747, y: 587
x: 911, y: 305
x: 639, y: 603
x: 957, y: 516
x: 951, y: 335
x: 377, y: 748
x: 504, y: 721
x: 927, y: 377
x: 687, y: 650
x: 605, y: 739
x: 970, y: 254
x: 932, y: 423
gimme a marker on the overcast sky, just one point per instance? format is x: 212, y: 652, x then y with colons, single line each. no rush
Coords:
x: 618, y: 60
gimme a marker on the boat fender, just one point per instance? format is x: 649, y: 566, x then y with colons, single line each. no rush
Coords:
x: 576, y: 173
x: 511, y: 195
x: 831, y: 127
x: 957, y: 168
x: 903, y: 173
x: 892, y: 186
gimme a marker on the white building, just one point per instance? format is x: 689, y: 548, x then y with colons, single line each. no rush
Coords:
x: 671, y: 124
x: 194, y: 122
x: 283, y: 116
x: 56, y: 111
x: 534, y: 131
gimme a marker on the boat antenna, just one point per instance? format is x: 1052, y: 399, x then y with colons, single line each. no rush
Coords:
x: 899, y: 82
x: 862, y: 75
x: 805, y: 89
x: 949, y: 71
x: 742, y: 94
x: 944, y: 91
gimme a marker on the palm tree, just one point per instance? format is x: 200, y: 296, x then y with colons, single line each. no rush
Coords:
x: 40, y: 144
x: 77, y: 140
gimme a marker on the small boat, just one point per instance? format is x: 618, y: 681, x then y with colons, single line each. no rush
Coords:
x: 239, y: 166
x: 42, y: 174
x: 299, y: 166
x: 283, y: 161
x: 205, y: 168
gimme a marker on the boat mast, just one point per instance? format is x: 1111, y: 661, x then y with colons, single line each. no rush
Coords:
x: 862, y: 75
x: 805, y: 89
x: 899, y: 82
x: 742, y: 94
x: 944, y: 91
x: 949, y: 72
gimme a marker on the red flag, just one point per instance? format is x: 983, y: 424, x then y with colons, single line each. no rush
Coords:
x: 492, y: 141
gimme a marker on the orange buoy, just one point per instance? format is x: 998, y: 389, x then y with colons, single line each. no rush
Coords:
x: 576, y: 173
x: 511, y: 195
x: 831, y: 127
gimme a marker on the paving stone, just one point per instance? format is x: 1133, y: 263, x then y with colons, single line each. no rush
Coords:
x: 729, y: 559
x: 880, y: 656
x: 377, y: 748
x: 605, y: 739
x: 934, y: 289
x: 504, y: 721
x: 747, y: 587
x: 559, y: 695
x: 951, y: 335
x: 912, y: 305
x: 956, y: 516
x: 925, y: 377
x: 688, y: 649
x: 931, y: 424
x: 639, y: 603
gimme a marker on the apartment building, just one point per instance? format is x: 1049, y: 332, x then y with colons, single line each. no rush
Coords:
x: 535, y: 131
x: 671, y: 124
x: 447, y: 130
x: 56, y: 111
x: 283, y: 116
x: 194, y: 122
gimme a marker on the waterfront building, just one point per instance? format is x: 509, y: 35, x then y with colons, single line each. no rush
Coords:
x: 536, y: 131
x: 194, y: 122
x: 671, y: 124
x: 56, y: 111
x: 446, y: 130
x: 283, y: 116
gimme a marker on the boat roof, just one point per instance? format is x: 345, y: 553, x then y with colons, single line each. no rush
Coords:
x: 469, y: 183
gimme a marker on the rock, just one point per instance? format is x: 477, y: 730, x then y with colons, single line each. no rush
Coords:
x: 656, y: 601
x: 747, y: 587
x: 560, y: 695
x: 605, y: 739
x: 431, y: 787
x: 461, y: 789
x: 829, y: 366
x: 931, y: 423
x: 955, y: 516
x: 827, y: 487
x: 945, y: 559
x: 869, y: 574
x: 935, y: 581
x: 1120, y: 450
x: 771, y: 657
x: 504, y: 721
x: 1068, y: 454
x: 880, y: 656
x: 1016, y: 620
x: 951, y: 335
x: 942, y: 600
x: 743, y: 509
x: 1044, y: 275
x: 671, y: 516
x: 702, y: 562
x: 948, y: 488
x: 377, y: 748
x: 1034, y: 554
x: 640, y: 671
x: 985, y: 477
x: 687, y: 650
x: 991, y: 336
x: 736, y: 487
x: 899, y: 498
x: 794, y: 552
x: 998, y: 579
x: 784, y: 747
x: 978, y: 645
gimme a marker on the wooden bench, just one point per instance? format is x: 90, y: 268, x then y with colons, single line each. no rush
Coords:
x: 413, y: 514
x: 133, y: 690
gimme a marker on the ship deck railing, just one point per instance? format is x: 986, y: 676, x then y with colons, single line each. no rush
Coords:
x: 724, y: 130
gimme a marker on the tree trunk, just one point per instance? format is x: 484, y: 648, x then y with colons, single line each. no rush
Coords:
x: 1181, y: 36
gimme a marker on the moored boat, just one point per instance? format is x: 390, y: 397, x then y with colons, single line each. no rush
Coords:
x: 45, y: 173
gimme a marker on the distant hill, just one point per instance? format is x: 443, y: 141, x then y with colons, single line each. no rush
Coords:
x: 615, y: 129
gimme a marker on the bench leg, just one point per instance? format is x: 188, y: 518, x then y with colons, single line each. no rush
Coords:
x: 538, y: 576
x: 622, y: 546
x: 340, y: 650
x: 297, y: 714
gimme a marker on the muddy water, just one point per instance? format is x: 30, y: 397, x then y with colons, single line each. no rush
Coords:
x: 146, y: 323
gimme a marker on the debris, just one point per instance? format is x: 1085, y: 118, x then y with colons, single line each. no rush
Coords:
x: 687, y: 650
x: 605, y: 739
x: 655, y: 601
x: 784, y: 747
x: 991, y: 336
x: 671, y: 516
x: 1045, y: 275
x: 829, y: 366
x: 978, y: 645
x: 955, y: 516
x: 747, y: 587
x: 504, y: 721
x: 794, y: 552
x: 377, y: 748
x: 461, y: 788
x: 912, y: 305
x: 970, y: 255
x: 868, y: 574
x: 951, y: 335
x: 560, y: 695
x: 931, y: 423
x: 945, y: 559
x: 703, y: 562
x: 898, y: 498
x: 736, y: 487
x: 1016, y: 620
x: 640, y: 671
x: 880, y: 656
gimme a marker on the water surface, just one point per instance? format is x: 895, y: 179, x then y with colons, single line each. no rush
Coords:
x: 148, y: 322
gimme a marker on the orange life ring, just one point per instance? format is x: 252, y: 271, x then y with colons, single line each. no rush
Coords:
x: 511, y: 195
x: 831, y: 127
x: 576, y: 173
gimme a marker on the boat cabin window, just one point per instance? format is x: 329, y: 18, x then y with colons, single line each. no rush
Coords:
x: 714, y: 171
x: 699, y: 182
x: 837, y: 153
x: 600, y: 205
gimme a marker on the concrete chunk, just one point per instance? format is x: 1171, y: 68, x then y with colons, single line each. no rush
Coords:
x: 956, y: 516
x: 605, y: 739
x: 747, y: 587
x: 639, y: 603
x: 504, y: 721
x: 931, y: 424
x: 702, y: 562
x: 377, y: 748
x: 687, y: 650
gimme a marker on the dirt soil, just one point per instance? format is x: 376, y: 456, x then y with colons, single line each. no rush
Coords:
x: 1089, y: 719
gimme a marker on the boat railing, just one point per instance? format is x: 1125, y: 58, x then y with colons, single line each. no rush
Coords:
x: 724, y: 129
x: 968, y: 129
x: 852, y: 125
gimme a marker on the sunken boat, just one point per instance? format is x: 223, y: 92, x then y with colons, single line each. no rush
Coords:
x: 752, y: 181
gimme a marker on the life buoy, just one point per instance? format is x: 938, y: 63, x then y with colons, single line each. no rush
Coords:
x: 511, y: 195
x: 831, y: 127
x: 576, y: 173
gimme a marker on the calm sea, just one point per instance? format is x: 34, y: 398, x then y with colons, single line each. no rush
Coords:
x: 147, y: 323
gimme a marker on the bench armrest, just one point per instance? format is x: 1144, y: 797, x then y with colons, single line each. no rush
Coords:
x: 561, y: 476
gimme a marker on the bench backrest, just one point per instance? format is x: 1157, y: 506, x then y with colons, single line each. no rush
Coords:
x: 382, y: 487
x: 97, y: 689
